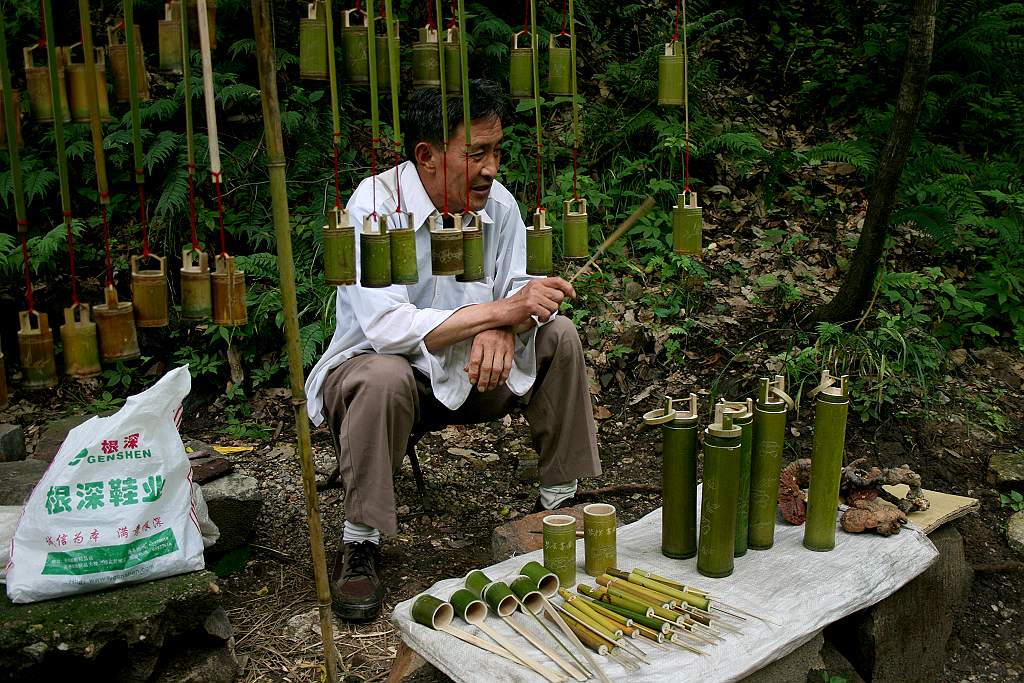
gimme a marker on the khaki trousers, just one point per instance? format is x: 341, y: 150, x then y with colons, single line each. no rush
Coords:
x: 374, y: 402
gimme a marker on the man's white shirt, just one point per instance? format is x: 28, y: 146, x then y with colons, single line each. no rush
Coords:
x: 396, y: 319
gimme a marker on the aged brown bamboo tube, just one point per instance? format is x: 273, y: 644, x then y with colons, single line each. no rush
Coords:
x: 285, y: 263
x: 116, y: 323
x: 81, y: 346
x: 119, y: 66
x: 35, y: 343
x: 37, y: 80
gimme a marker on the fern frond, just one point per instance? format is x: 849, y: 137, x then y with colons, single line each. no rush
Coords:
x: 163, y: 148
x: 853, y: 152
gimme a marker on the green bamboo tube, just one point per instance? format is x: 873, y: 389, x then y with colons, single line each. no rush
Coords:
x: 623, y: 621
x: 116, y: 325
x: 227, y: 293
x: 722, y: 443
x: 339, y: 249
x: 426, y: 59
x: 678, y: 476
x: 624, y: 589
x: 19, y: 141
x: 538, y: 246
x: 631, y: 609
x: 35, y: 346
x: 383, y: 61
x: 468, y: 606
x: 432, y: 612
x: 645, y: 594
x: 687, y: 225
x: 196, y: 294
x: 560, y: 547
x: 452, y: 57
x: 609, y: 627
x: 766, y: 463
x: 585, y: 618
x: 446, y: 250
x: 525, y: 589
x: 118, y: 53
x: 149, y: 292
x: 743, y: 417
x: 588, y: 638
x: 520, y: 80
x: 671, y: 79
x: 690, y: 595
x: 355, y: 47
x: 403, y: 254
x: 313, y: 43
x: 575, y: 225
x: 81, y: 345
x: 476, y: 581
x: 80, y: 83
x: 599, y: 537
x: 559, y: 67
x: 500, y: 598
x: 38, y: 85
x: 679, y: 596
x: 286, y: 267
x: 472, y: 248
x: 830, y: 411
x: 169, y: 39
x: 546, y: 580
x: 375, y: 254
x: 617, y: 597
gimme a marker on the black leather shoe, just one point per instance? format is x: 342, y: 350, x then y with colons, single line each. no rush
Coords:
x: 538, y: 506
x: 356, y: 589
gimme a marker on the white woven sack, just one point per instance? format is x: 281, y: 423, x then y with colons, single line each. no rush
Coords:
x: 116, y: 505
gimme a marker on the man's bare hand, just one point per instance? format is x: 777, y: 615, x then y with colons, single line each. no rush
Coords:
x: 539, y: 297
x: 490, y: 360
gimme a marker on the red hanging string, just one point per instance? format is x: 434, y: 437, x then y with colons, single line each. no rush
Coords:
x: 220, y: 215
x: 192, y: 205
x: 565, y: 16
x: 143, y: 220
x: 431, y: 21
x: 452, y: 23
x: 71, y: 259
x: 526, y: 16
x: 107, y: 260
x: 23, y: 228
x: 575, y: 160
x: 337, y: 183
x: 42, y: 26
x: 359, y: 5
x: 675, y: 36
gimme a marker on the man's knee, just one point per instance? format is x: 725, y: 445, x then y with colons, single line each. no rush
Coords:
x: 382, y: 374
x: 561, y: 334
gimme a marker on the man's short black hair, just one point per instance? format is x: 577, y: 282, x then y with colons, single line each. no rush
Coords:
x: 423, y: 113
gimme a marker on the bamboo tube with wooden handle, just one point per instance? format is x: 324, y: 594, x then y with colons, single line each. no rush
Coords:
x: 623, y: 228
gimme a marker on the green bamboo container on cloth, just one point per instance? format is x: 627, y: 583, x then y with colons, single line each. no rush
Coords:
x: 468, y: 606
x: 546, y: 580
x: 576, y: 226
x: 500, y: 598
x: 403, y: 251
x: 830, y: 412
x: 671, y: 75
x: 742, y: 417
x: 599, y: 538
x: 766, y: 460
x: 538, y: 245
x: 426, y: 71
x: 432, y: 612
x: 687, y: 225
x: 520, y: 80
x: 678, y: 420
x: 722, y: 443
x: 559, y: 66
x: 355, y: 47
x: 375, y: 252
x: 528, y: 593
x: 339, y: 248
x: 472, y: 247
x: 313, y: 43
x: 560, y: 547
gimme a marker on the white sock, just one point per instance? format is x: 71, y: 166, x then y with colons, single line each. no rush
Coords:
x: 553, y: 496
x: 356, y: 532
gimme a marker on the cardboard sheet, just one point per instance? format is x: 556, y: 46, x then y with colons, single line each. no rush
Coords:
x: 945, y: 507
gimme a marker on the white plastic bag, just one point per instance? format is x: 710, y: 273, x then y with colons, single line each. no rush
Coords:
x: 116, y: 505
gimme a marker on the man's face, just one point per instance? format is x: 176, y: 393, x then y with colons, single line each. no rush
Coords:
x: 479, y: 163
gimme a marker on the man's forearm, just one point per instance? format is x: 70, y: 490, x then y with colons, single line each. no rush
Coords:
x: 465, y: 323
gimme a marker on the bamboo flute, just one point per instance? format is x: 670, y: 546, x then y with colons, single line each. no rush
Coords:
x: 623, y: 228
x: 286, y: 267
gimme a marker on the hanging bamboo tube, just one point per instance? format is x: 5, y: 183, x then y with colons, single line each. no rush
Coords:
x: 35, y: 341
x: 403, y: 237
x: 119, y: 64
x: 521, y: 61
x: 426, y: 58
x: 81, y: 347
x: 89, y: 75
x: 286, y: 267
x: 623, y: 227
x: 169, y: 42
x: 18, y: 140
x: 451, y: 60
x: 196, y: 285
x: 313, y: 56
x: 355, y: 47
x: 37, y: 82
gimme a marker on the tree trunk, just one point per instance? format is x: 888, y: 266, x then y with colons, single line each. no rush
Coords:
x: 849, y: 302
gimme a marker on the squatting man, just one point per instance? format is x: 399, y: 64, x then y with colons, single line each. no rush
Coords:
x: 405, y: 360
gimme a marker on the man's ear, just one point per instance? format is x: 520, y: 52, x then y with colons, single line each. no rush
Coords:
x: 425, y: 156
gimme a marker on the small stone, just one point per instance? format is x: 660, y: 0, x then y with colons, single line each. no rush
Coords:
x: 958, y: 356
x: 462, y: 452
x: 1015, y: 532
x: 515, y: 538
x: 53, y: 436
x: 402, y: 510
x: 234, y: 502
x: 12, y: 443
x: 1006, y: 469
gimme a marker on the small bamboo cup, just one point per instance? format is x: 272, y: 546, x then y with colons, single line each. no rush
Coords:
x: 599, y: 537
x: 546, y: 580
x: 432, y: 612
x: 529, y: 594
x: 560, y: 547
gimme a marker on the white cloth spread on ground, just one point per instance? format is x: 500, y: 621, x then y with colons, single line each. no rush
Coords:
x: 798, y: 588
x: 396, y: 319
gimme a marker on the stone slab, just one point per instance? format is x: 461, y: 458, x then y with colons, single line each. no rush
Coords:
x: 116, y: 634
x: 515, y: 537
x: 217, y: 664
x: 205, y: 470
x: 1006, y: 469
x: 17, y: 479
x: 793, y: 667
x: 12, y: 443
x: 234, y: 502
x: 903, y: 638
x: 53, y: 436
x: 1015, y: 532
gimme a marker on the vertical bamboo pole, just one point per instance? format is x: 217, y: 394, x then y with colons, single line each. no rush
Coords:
x: 58, y: 114
x: 393, y: 65
x: 133, y: 91
x: 186, y: 78
x: 286, y: 267
x: 93, y: 98
x: 332, y: 75
x: 11, y: 122
x: 572, y: 61
x: 371, y: 49
x: 211, y: 107
x: 537, y: 98
x: 464, y: 63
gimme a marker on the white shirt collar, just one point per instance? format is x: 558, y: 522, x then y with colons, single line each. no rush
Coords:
x: 415, y: 198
